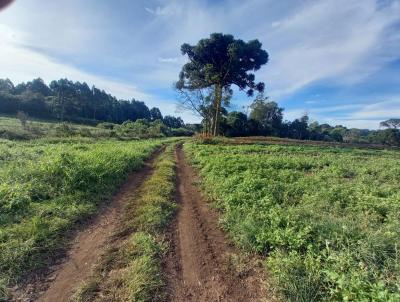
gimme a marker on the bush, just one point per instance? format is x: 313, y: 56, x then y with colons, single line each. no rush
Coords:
x: 106, y: 125
x: 181, y: 132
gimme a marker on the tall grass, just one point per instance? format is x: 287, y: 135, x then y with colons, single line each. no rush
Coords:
x: 327, y: 219
x: 45, y: 188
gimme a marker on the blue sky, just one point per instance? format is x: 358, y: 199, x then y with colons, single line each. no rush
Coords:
x: 337, y: 60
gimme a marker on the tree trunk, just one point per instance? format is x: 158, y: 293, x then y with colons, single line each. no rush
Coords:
x: 217, y: 107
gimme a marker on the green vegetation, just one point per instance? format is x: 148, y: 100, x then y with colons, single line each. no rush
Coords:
x: 26, y: 129
x: 328, y: 219
x: 266, y: 119
x: 65, y: 100
x: 218, y: 62
x: 45, y: 188
x: 132, y: 271
x: 14, y: 129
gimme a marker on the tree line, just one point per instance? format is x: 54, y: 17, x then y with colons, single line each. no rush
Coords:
x: 65, y: 100
x: 266, y: 119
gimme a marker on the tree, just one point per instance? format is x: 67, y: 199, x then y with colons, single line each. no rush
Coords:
x: 197, y: 102
x: 23, y: 118
x: 155, y: 114
x: 63, y: 102
x: 6, y: 86
x: 173, y: 122
x: 387, y: 137
x: 221, y: 61
x: 38, y: 86
x: 299, y: 128
x: 268, y: 114
x: 392, y: 123
x: 236, y: 124
x: 200, y: 102
x: 140, y: 110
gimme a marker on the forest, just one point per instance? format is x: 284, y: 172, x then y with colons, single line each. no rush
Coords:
x: 65, y: 100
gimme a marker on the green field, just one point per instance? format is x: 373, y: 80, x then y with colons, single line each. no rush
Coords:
x: 327, y: 219
x: 11, y: 128
x: 45, y: 188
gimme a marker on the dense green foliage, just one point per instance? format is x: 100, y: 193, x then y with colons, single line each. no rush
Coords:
x: 327, y: 218
x: 138, y: 259
x: 45, y: 188
x: 65, y: 100
x: 266, y: 119
x: 221, y: 61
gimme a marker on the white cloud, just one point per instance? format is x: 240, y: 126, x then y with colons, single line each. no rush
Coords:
x: 339, y: 40
x: 292, y: 114
x: 168, y: 60
x: 380, y: 110
x: 168, y: 10
x: 361, y: 115
x: 22, y: 64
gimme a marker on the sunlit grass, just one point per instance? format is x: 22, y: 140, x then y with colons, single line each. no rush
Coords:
x: 327, y: 219
x: 46, y: 188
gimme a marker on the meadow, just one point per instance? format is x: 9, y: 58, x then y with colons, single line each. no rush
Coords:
x: 327, y: 219
x: 46, y: 187
x: 12, y: 129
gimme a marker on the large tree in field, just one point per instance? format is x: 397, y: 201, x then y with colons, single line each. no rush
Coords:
x: 201, y: 101
x: 392, y: 123
x: 219, y: 62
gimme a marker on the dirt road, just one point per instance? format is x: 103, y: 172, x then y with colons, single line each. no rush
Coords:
x: 92, y: 241
x: 198, y: 267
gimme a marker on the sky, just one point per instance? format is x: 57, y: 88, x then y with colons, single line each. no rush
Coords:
x: 336, y: 60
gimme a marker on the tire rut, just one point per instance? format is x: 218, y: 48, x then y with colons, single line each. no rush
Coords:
x: 197, y: 266
x: 90, y: 242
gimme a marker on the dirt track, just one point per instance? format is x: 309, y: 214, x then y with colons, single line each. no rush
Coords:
x: 91, y: 242
x: 197, y: 267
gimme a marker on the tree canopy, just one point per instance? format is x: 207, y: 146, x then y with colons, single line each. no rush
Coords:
x: 219, y: 62
x: 268, y: 114
x: 393, y: 123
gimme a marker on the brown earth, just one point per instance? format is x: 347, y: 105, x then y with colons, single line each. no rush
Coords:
x: 200, y: 265
x: 88, y: 244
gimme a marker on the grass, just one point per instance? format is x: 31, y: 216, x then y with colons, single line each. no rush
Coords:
x: 132, y: 271
x: 46, y: 188
x: 12, y: 129
x: 327, y: 219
